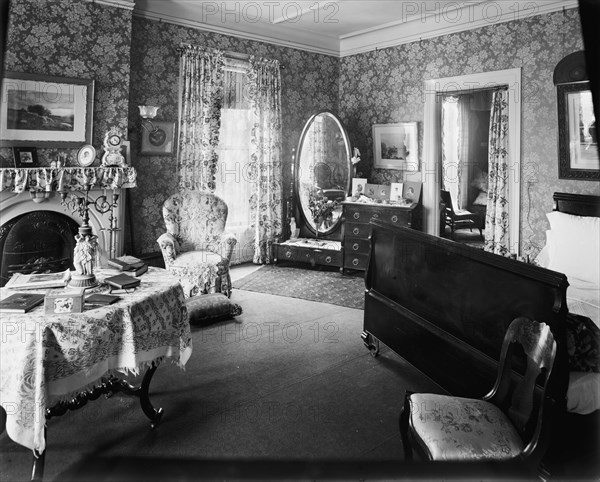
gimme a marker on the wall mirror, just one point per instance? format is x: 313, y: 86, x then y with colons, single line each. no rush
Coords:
x: 322, y: 172
x: 577, y: 136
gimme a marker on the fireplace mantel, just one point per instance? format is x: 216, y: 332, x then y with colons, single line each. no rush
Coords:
x: 47, y: 179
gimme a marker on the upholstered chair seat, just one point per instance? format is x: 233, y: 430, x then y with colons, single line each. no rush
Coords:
x: 453, y: 428
x: 194, y: 247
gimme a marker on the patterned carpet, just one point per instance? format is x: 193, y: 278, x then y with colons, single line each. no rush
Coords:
x: 307, y: 284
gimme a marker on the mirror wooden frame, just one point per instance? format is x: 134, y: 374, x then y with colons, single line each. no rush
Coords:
x: 568, y: 167
x: 310, y: 225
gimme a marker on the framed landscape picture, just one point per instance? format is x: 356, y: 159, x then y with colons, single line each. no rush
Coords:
x: 395, y: 146
x: 159, y: 140
x: 38, y: 110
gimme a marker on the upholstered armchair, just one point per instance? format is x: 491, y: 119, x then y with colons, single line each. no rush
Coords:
x: 194, y: 247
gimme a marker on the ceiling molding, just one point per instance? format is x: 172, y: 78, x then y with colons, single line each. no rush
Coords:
x: 457, y: 17
x: 125, y: 4
x: 477, y: 16
x: 302, y: 42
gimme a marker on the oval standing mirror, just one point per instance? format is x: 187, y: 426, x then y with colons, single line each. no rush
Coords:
x: 323, y: 170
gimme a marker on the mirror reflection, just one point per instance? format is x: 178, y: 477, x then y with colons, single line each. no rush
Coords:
x: 323, y: 172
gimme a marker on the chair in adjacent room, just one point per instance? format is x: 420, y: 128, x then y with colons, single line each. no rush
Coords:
x: 510, y: 423
x: 461, y: 219
x: 194, y: 247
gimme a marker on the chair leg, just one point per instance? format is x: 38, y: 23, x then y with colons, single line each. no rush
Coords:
x: 403, y: 422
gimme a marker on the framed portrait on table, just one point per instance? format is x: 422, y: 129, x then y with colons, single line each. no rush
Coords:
x: 578, y: 156
x: 395, y: 146
x: 158, y: 139
x: 42, y: 111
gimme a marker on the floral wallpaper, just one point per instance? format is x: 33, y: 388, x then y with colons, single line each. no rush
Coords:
x: 309, y: 84
x: 77, y: 39
x: 534, y: 44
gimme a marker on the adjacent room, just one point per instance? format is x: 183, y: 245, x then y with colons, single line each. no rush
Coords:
x: 351, y: 240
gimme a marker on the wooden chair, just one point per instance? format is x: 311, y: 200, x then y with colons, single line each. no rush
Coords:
x: 461, y: 219
x: 509, y: 424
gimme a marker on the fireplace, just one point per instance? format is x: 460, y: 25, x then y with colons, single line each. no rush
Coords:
x: 37, y: 242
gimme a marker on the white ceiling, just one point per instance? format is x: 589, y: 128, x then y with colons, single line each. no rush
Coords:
x: 342, y: 27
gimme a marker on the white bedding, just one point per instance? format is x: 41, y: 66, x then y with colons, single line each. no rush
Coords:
x: 583, y: 298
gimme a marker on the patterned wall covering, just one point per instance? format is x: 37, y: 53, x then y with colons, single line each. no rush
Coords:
x: 535, y: 44
x: 75, y: 39
x: 309, y: 84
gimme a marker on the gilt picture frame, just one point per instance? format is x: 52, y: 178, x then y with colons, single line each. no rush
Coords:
x: 578, y: 155
x: 43, y: 111
x: 158, y: 140
x: 395, y: 146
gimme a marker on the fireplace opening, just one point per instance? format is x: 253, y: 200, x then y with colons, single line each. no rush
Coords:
x: 38, y: 242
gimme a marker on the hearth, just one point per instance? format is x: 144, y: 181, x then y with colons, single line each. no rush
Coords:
x: 37, y: 242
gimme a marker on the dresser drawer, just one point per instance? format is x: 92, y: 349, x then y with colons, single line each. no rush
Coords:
x: 355, y: 230
x: 333, y: 258
x: 355, y: 261
x: 356, y: 246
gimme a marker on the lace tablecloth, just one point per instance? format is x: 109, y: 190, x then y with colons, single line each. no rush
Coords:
x: 48, y: 358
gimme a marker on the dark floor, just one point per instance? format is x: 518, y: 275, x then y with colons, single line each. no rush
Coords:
x: 465, y: 236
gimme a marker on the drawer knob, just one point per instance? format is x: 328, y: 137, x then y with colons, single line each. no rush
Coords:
x: 356, y: 231
x: 288, y: 254
x: 355, y: 246
x: 356, y: 215
x: 355, y: 262
x: 328, y: 259
x: 394, y: 218
x: 375, y: 216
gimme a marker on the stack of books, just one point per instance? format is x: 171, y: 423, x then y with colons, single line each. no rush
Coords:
x: 129, y: 265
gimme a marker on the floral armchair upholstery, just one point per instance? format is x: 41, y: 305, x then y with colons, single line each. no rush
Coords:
x: 194, y: 247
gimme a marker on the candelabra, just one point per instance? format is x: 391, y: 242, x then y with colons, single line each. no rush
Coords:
x: 85, y: 254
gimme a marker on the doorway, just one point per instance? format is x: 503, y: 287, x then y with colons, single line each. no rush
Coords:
x: 432, y: 172
x: 465, y: 125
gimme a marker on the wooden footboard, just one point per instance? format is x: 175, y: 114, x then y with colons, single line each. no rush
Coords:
x: 445, y: 307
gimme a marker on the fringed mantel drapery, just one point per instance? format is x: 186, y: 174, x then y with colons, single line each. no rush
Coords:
x: 201, y: 99
x: 496, y: 220
x: 265, y: 156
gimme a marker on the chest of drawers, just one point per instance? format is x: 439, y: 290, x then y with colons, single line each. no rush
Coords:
x: 356, y: 228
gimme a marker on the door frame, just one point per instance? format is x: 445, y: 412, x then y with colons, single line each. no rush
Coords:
x: 432, y: 143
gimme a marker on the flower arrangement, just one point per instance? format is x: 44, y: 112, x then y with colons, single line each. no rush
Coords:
x: 321, y: 209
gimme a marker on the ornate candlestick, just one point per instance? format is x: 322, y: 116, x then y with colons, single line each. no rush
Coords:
x: 85, y: 254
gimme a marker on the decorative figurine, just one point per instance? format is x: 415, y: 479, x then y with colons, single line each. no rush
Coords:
x: 84, y: 258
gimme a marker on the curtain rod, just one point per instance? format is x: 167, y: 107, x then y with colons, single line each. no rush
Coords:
x: 443, y: 93
x: 227, y: 53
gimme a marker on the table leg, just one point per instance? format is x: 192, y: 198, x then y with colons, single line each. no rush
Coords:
x: 37, y: 469
x: 147, y: 407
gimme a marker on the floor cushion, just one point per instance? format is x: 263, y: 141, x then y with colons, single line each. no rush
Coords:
x: 211, y: 307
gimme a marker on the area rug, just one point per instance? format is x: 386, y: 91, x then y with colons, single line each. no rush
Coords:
x: 307, y: 284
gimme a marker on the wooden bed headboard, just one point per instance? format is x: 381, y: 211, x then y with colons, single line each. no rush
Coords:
x: 578, y: 204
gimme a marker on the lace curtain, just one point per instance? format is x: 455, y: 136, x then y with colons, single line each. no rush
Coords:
x: 496, y: 220
x: 265, y: 156
x: 201, y: 76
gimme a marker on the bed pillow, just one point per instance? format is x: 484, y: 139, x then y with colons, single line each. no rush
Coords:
x: 211, y: 307
x: 574, y: 246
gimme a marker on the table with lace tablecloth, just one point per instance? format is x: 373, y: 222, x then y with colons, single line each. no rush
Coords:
x: 47, y: 361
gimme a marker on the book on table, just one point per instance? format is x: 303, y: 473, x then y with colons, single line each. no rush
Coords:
x: 102, y: 299
x: 20, y: 302
x: 122, y: 281
x: 129, y: 264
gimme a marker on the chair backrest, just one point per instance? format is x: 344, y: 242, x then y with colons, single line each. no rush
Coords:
x: 196, y: 218
x: 522, y: 400
x: 446, y: 198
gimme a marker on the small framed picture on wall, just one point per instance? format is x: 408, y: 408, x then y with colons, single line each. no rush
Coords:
x: 25, y: 157
x: 158, y: 138
x: 395, y: 146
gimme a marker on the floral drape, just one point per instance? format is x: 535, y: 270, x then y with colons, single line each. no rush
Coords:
x: 265, y: 155
x: 496, y: 220
x: 201, y: 100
